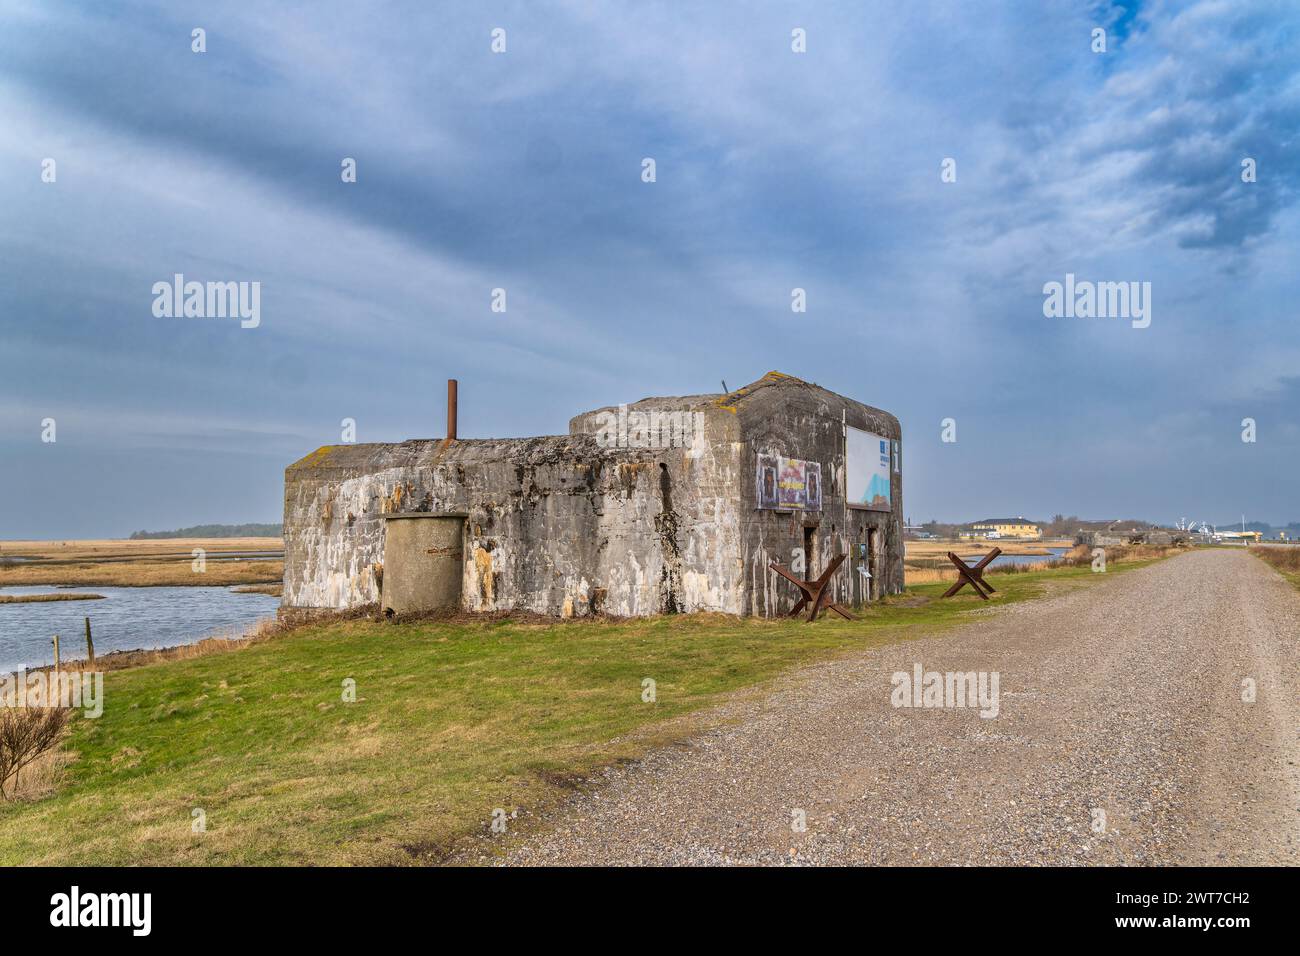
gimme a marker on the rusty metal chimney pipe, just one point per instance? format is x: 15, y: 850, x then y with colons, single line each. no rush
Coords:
x: 451, y: 409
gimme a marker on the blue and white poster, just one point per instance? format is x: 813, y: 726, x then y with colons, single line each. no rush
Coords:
x: 867, y: 470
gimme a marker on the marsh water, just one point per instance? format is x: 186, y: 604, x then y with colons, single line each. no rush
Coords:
x: 126, y: 619
x: 1004, y: 559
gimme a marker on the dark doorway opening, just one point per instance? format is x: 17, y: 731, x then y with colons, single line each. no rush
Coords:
x: 873, y: 563
x: 809, y: 549
x: 860, y: 595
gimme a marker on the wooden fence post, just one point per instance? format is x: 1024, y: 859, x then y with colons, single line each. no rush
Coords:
x: 56, y: 652
x: 90, y: 645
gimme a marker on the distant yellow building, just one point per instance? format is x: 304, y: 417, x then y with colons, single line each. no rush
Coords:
x: 1007, y: 528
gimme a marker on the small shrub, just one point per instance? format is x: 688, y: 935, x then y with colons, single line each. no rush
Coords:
x: 26, y: 733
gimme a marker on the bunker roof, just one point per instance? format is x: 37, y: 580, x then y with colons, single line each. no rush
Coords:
x: 771, y: 388
x: 764, y: 397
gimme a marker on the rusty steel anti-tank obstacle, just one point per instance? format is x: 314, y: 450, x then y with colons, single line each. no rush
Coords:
x: 972, y: 574
x: 815, y: 592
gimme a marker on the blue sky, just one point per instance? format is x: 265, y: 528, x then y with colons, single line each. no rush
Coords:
x: 522, y: 170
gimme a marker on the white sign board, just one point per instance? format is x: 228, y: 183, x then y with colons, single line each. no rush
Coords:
x: 867, y: 470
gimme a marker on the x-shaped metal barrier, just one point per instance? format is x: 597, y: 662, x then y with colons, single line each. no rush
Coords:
x: 972, y: 574
x: 814, y: 592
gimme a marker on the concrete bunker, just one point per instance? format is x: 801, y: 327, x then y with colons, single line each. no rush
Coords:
x: 664, y: 505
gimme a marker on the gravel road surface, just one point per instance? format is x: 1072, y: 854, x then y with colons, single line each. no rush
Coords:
x: 1122, y: 698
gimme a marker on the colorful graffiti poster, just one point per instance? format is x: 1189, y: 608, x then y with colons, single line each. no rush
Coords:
x: 813, y: 481
x: 788, y: 484
x: 792, y: 489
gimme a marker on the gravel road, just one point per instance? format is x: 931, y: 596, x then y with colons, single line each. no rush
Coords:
x: 1124, y: 697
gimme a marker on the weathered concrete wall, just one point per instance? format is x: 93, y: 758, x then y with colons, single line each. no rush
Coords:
x: 643, y: 509
x: 694, y: 446
x: 554, y: 525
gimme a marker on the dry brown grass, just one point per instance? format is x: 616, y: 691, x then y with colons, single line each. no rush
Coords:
x: 275, y: 590
x: 1286, y: 558
x: 135, y: 574
x: 913, y: 576
x: 27, y: 734
x: 938, y: 549
x: 42, y: 776
x: 154, y: 563
x: 39, y: 598
x: 99, y: 549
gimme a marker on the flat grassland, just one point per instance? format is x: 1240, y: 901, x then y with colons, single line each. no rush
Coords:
x: 165, y: 562
x: 451, y: 721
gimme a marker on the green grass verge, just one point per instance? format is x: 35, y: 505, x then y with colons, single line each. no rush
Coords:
x: 450, y: 722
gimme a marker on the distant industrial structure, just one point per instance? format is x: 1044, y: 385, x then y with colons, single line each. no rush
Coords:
x: 1245, y: 536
